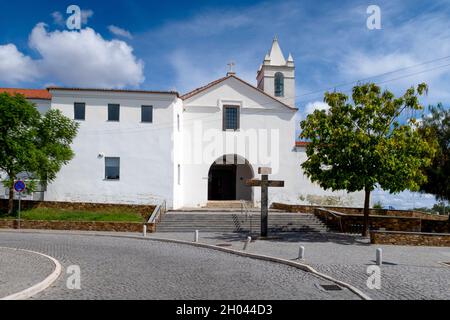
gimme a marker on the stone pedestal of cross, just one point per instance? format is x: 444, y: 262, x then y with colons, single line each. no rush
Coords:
x: 264, y: 184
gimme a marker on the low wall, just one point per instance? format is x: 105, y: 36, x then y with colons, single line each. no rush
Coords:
x: 351, y: 220
x: 144, y: 210
x: 359, y: 211
x: 76, y: 225
x: 410, y: 238
x: 352, y: 223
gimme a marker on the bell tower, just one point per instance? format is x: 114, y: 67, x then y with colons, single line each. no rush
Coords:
x: 276, y: 75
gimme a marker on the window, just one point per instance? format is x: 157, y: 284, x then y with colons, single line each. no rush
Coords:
x: 230, y: 118
x: 112, y: 168
x: 79, y: 111
x: 147, y: 114
x: 113, y: 112
x: 178, y: 122
x: 179, y: 174
x: 279, y: 84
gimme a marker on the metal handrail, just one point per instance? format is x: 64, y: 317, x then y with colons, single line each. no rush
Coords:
x: 333, y: 213
x: 247, y: 212
x: 159, y: 210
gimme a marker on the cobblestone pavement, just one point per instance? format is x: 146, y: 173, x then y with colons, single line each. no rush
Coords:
x: 123, y: 268
x: 20, y: 270
x: 408, y: 272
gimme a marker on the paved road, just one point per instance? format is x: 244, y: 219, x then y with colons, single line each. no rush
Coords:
x: 20, y: 270
x: 121, y: 268
x: 408, y: 273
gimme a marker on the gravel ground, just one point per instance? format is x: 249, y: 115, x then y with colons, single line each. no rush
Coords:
x: 20, y: 270
x: 122, y: 268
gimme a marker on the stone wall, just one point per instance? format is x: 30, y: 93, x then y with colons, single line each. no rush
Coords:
x: 76, y: 225
x: 359, y: 211
x: 353, y: 223
x: 144, y: 210
x: 350, y: 220
x: 410, y: 238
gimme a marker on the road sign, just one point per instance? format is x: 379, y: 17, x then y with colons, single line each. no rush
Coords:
x: 19, y: 186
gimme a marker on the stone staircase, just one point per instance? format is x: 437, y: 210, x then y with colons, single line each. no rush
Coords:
x: 236, y: 221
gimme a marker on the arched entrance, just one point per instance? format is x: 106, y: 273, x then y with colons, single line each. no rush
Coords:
x: 226, y: 179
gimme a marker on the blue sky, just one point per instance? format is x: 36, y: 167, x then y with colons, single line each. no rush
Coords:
x: 184, y: 44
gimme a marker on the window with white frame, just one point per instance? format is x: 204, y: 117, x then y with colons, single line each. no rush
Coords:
x: 231, y: 119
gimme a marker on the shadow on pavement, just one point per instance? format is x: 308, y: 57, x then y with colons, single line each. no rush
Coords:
x: 337, y: 238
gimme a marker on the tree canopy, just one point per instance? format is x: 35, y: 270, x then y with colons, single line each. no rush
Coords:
x: 436, y: 127
x: 362, y: 144
x: 31, y: 142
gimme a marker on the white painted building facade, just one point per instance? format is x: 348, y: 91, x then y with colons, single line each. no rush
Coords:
x: 145, y: 146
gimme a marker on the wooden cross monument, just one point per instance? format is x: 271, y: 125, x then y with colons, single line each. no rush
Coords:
x: 264, y: 183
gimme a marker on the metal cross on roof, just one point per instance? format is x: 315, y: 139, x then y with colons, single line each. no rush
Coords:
x: 231, y: 64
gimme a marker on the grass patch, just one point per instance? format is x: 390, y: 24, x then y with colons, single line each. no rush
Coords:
x: 112, y: 215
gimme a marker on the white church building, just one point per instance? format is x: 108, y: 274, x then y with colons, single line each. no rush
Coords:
x: 143, y: 147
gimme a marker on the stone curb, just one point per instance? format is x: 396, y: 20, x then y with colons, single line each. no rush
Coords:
x: 294, y: 264
x: 41, y: 286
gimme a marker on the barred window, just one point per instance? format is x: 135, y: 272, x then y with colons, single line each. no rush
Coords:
x: 230, y: 118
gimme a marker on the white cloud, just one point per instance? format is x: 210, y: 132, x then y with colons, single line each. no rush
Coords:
x: 120, y: 32
x: 189, y: 73
x: 84, y: 58
x: 72, y: 58
x: 15, y: 67
x: 58, y: 18
x: 403, y: 200
x: 86, y: 15
x: 362, y: 65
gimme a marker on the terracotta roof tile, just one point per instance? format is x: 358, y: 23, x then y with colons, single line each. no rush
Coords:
x: 301, y: 143
x: 41, y: 94
x: 112, y: 90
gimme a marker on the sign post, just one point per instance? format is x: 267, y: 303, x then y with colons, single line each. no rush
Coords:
x: 264, y: 183
x: 19, y: 186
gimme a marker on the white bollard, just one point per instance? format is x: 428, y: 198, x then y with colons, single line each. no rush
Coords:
x: 196, y: 236
x: 144, y: 232
x: 379, y: 257
x: 301, y: 253
x: 249, y: 239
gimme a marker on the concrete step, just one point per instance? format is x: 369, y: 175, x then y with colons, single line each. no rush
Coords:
x: 176, y: 221
x: 228, y: 204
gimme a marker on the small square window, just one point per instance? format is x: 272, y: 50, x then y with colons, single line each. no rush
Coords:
x: 147, y: 114
x: 230, y: 118
x: 79, y: 111
x: 112, y: 168
x: 113, y: 112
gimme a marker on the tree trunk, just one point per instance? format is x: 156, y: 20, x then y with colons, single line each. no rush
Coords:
x: 11, y: 198
x: 365, y: 231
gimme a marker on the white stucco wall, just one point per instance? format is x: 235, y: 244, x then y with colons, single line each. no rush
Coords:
x: 145, y: 149
x: 262, y: 116
x: 150, y: 153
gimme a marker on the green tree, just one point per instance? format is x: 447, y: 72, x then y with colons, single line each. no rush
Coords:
x: 31, y: 142
x: 361, y: 145
x: 378, y: 205
x: 436, y: 126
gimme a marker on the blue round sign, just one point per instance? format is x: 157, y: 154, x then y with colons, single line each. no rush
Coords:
x: 19, y: 186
